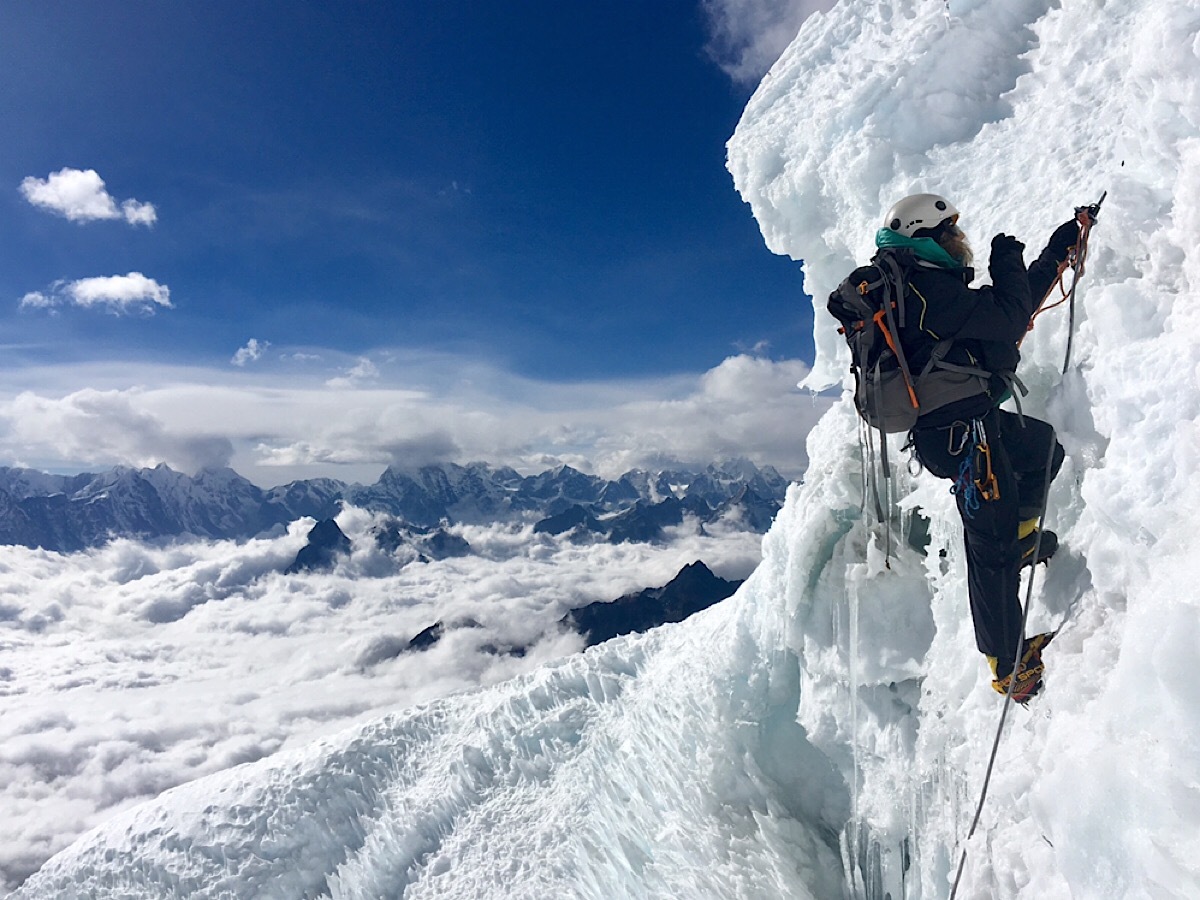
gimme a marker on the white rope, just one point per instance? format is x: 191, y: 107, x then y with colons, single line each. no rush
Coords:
x: 1012, y: 680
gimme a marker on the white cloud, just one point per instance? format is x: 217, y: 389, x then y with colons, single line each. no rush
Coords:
x: 117, y: 293
x: 287, y: 422
x: 38, y: 300
x: 746, y: 406
x: 80, y: 195
x: 138, y: 213
x: 104, y: 428
x: 747, y: 36
x: 362, y: 371
x: 251, y: 352
x: 431, y: 448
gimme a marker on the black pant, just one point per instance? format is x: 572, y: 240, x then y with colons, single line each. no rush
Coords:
x: 1018, y: 459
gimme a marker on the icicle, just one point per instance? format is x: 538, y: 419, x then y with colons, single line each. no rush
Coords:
x: 851, y: 841
x: 852, y: 600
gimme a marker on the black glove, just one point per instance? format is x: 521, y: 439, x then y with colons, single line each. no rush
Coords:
x: 1006, y: 243
x: 1091, y: 213
x: 1064, y: 238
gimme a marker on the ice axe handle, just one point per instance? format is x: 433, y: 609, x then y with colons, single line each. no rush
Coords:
x: 1092, y: 212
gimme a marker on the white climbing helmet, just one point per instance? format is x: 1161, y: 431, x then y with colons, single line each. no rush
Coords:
x: 917, y: 211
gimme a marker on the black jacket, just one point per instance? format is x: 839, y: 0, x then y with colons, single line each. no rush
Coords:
x: 986, y: 323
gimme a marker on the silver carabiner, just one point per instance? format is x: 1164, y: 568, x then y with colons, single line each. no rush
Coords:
x: 914, y: 462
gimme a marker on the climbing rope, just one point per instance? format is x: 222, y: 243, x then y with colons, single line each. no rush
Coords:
x: 1086, y: 216
x: 1076, y: 258
x: 1012, y: 682
x: 964, y: 487
x: 976, y: 482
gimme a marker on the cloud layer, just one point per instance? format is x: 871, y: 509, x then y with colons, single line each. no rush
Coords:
x: 101, y: 428
x: 103, y: 703
x: 81, y: 196
x: 348, y: 418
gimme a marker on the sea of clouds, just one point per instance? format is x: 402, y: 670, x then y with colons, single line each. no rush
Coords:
x: 132, y: 668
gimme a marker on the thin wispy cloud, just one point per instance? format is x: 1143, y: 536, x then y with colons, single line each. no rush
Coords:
x: 80, y: 195
x: 116, y: 294
x: 362, y: 372
x: 253, y: 351
x: 747, y: 36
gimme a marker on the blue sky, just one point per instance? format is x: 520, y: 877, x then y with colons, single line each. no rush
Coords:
x: 374, y: 195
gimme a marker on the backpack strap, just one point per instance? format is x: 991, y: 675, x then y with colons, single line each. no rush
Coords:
x: 937, y: 360
x: 886, y: 261
x: 893, y: 275
x: 1016, y: 390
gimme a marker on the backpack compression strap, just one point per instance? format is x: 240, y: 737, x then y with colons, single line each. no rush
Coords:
x: 894, y: 278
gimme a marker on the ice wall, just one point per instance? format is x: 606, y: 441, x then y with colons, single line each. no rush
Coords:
x: 1018, y: 110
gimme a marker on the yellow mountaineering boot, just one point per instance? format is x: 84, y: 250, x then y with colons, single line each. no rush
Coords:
x: 1027, y: 539
x: 1029, y: 670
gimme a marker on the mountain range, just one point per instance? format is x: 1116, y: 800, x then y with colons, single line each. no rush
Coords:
x: 73, y: 512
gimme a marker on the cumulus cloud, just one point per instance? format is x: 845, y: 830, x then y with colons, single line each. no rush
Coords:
x: 138, y: 213
x: 105, y: 428
x: 119, y: 292
x: 251, y: 352
x: 80, y: 195
x: 116, y: 293
x: 747, y: 406
x: 747, y: 36
x: 38, y: 300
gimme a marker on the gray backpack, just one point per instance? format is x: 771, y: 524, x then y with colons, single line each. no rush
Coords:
x: 869, y: 304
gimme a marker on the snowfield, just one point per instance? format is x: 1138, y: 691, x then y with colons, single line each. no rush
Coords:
x: 824, y: 732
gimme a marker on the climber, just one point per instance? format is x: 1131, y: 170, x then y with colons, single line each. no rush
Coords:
x: 996, y: 458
